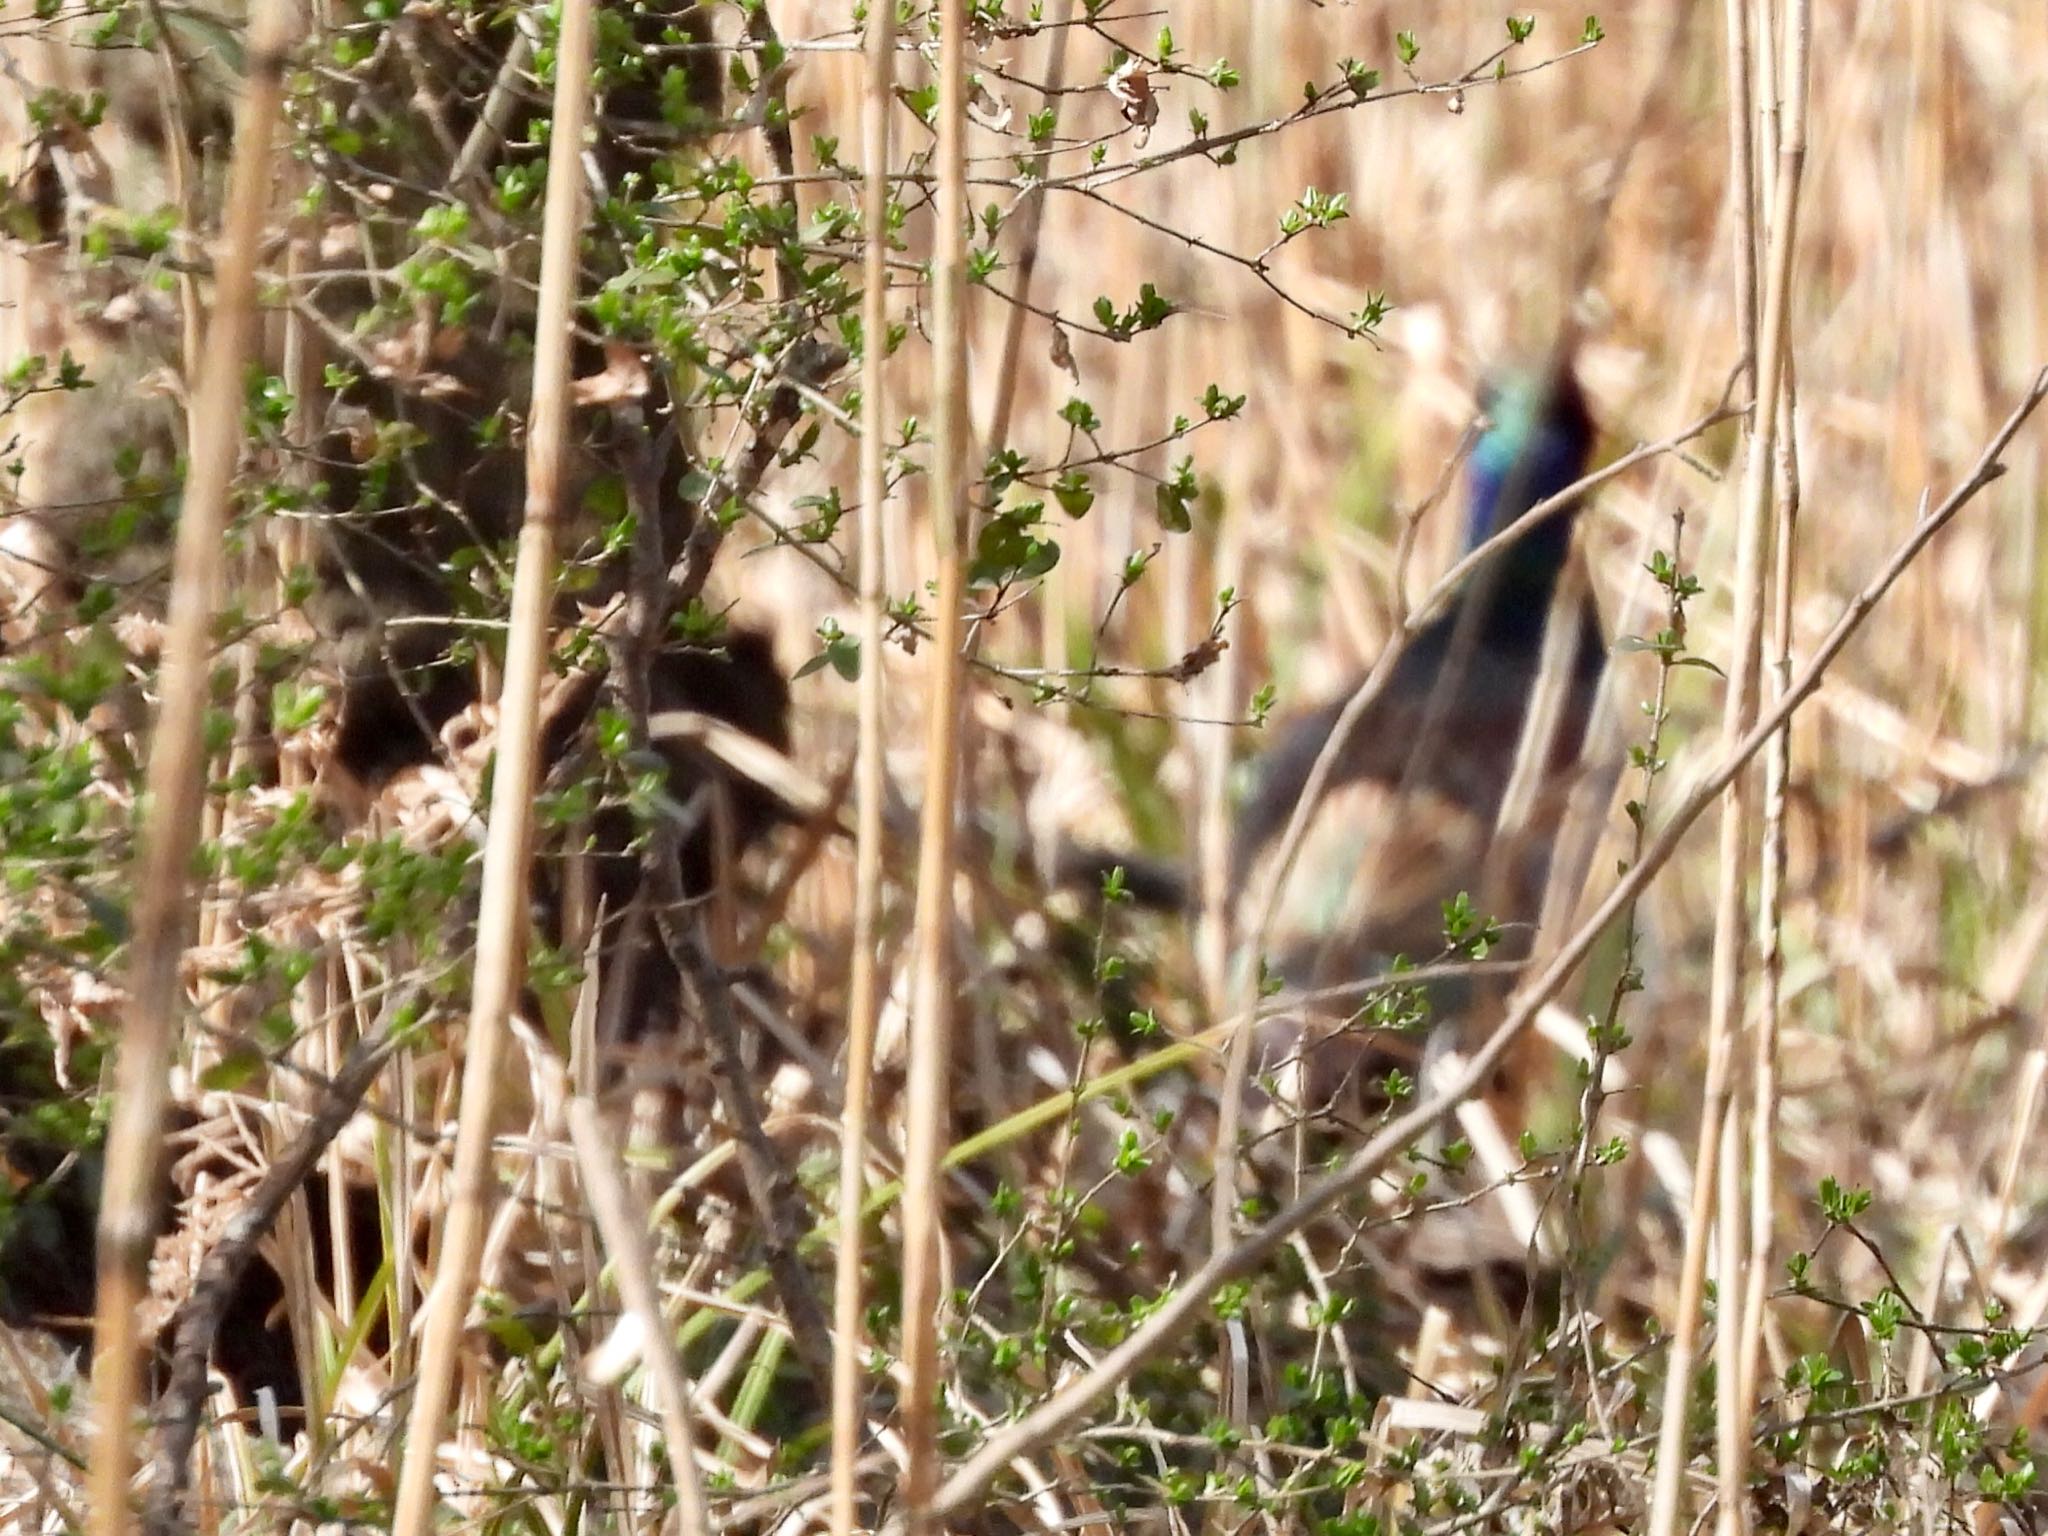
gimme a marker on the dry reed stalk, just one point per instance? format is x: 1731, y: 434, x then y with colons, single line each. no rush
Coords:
x: 395, y: 1199
x: 623, y: 1226
x: 620, y: 1447
x: 1742, y: 179
x: 932, y: 996
x: 1741, y: 1340
x: 1777, y: 778
x: 303, y: 377
x: 184, y: 189
x: 1770, y: 933
x: 1030, y: 217
x: 863, y: 988
x: 176, y: 788
x: 215, y: 998
x: 1722, y: 1183
x: 1212, y: 935
x: 1717, y: 1166
x: 502, y: 915
x: 1191, y: 1298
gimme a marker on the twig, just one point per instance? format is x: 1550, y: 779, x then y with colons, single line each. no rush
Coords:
x: 491, y: 124
x: 1334, y: 96
x: 1028, y: 247
x: 809, y: 363
x: 770, y: 1185
x: 632, y: 636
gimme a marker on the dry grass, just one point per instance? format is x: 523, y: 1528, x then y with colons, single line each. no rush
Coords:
x: 1918, y: 305
x: 1914, y: 916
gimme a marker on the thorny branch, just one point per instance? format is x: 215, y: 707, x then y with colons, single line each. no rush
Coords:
x: 769, y: 1182
x: 810, y: 362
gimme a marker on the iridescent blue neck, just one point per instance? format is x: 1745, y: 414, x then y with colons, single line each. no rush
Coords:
x: 1538, y: 445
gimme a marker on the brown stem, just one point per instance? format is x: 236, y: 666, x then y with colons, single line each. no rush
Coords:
x: 660, y: 896
x: 809, y: 364
x: 770, y: 1185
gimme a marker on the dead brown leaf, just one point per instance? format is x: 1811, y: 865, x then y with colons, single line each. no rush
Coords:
x: 624, y: 378
x: 1131, y: 85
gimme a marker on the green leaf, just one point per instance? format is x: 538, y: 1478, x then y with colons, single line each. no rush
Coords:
x: 1842, y: 1205
x: 1079, y: 414
x: 1074, y: 494
x: 1368, y: 319
x: 1010, y: 549
x: 234, y: 1070
x: 1175, y: 497
x: 1218, y: 406
x: 1362, y: 81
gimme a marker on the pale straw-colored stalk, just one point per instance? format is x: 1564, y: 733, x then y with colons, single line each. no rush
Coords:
x: 1771, y: 882
x: 848, y: 1335
x: 1717, y: 1161
x: 623, y: 1224
x: 932, y: 998
x: 502, y: 911
x: 176, y: 788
